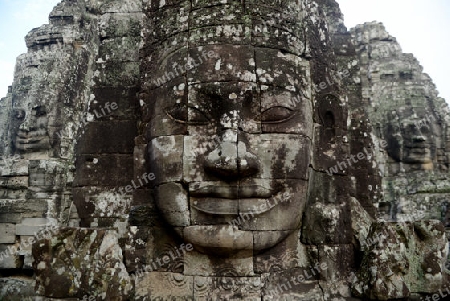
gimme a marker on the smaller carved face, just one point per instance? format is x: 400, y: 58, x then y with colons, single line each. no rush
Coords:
x: 412, y: 139
x: 32, y: 134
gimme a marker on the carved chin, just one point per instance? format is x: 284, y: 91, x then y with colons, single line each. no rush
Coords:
x: 227, y: 240
x: 226, y: 226
x: 418, y: 155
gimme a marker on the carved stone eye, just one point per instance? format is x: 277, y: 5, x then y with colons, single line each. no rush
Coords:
x: 425, y: 130
x: 19, y: 114
x: 277, y: 114
x: 196, y: 116
x: 189, y: 115
x: 40, y: 111
x: 177, y: 113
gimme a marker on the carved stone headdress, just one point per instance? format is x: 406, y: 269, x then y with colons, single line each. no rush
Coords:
x: 178, y: 32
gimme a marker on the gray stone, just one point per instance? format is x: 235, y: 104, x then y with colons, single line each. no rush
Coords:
x: 8, y: 233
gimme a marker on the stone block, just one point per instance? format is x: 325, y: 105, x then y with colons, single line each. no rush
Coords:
x: 83, y: 256
x: 228, y: 288
x: 288, y: 287
x: 143, y: 211
x: 26, y: 242
x: 168, y: 105
x: 120, y: 49
x: 101, y: 203
x: 339, y: 260
x: 104, y: 170
x: 140, y: 164
x: 103, y: 137
x: 221, y: 63
x: 14, y: 210
x: 10, y: 286
x: 291, y: 250
x: 48, y: 175
x: 124, y: 97
x: 120, y: 25
x: 239, y: 264
x: 272, y: 61
x: 227, y: 208
x: 8, y: 233
x: 327, y: 224
x: 130, y: 7
x: 30, y: 226
x: 166, y: 159
x: 172, y: 200
x: 9, y: 258
x: 117, y: 74
x: 270, y: 148
x: 387, y: 256
x: 14, y: 182
x: 165, y: 286
x: 361, y: 223
x: 168, y: 69
x: 284, y: 210
x: 270, y: 30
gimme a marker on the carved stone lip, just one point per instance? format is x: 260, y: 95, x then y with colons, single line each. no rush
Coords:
x: 230, y: 207
x: 233, y: 192
x: 223, y: 206
x: 420, y: 150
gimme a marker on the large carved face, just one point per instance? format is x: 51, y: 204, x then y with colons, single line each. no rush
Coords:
x: 412, y: 139
x: 231, y: 154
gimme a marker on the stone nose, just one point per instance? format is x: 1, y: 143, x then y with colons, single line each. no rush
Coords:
x: 231, y: 160
x: 419, y: 138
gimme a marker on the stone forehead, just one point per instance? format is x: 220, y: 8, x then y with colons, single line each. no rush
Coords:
x: 267, y: 24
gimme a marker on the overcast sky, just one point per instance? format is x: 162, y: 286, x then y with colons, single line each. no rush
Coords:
x: 421, y: 27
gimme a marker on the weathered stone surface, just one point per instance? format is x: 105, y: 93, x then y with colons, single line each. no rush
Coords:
x: 227, y: 288
x: 402, y: 258
x: 16, y: 289
x: 9, y: 256
x: 165, y: 286
x: 293, y: 253
x: 98, y: 138
x: 239, y: 264
x: 8, y: 233
x: 361, y: 224
x: 410, y: 119
x: 80, y: 262
x: 179, y: 212
x: 31, y: 226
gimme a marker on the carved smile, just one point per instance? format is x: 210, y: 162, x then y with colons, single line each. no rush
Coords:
x: 251, y: 201
x: 232, y: 192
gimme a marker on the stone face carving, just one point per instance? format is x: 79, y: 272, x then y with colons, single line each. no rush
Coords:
x: 230, y: 136
x: 410, y: 139
x: 32, y: 134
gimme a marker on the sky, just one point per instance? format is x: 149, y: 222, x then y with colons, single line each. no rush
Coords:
x: 421, y: 27
x: 17, y: 18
